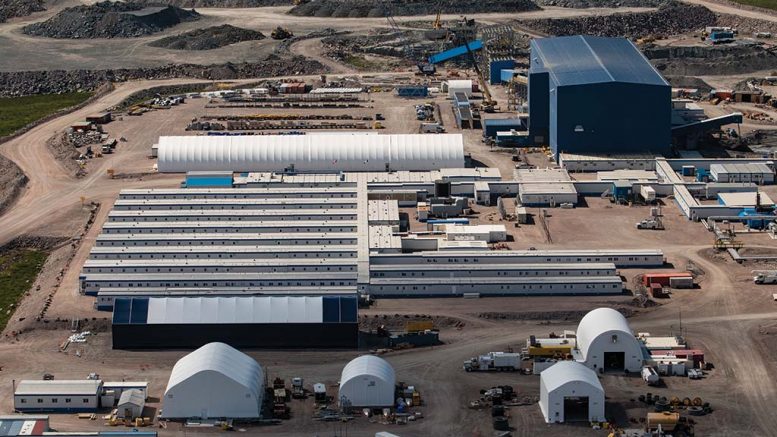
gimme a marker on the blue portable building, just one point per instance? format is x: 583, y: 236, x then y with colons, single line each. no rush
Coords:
x: 493, y: 125
x: 591, y: 95
x: 208, y: 179
x: 495, y: 68
x: 413, y: 91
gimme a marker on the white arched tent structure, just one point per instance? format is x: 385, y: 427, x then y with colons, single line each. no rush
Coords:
x: 605, y: 341
x: 367, y: 381
x: 570, y: 391
x: 310, y: 153
x: 214, y: 381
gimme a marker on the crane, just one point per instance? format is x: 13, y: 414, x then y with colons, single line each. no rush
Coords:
x: 488, y: 104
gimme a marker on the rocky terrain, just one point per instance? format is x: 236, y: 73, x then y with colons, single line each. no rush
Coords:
x: 580, y: 4
x: 670, y: 19
x: 216, y: 3
x: 208, y: 38
x: 689, y: 82
x: 746, y: 26
x: 59, y: 81
x: 110, y: 20
x: 12, y: 181
x: 19, y: 8
x: 368, y: 8
x: 711, y: 60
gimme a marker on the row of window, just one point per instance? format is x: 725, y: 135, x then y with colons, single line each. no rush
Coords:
x: 324, y: 195
x: 213, y: 270
x: 480, y: 287
x: 504, y: 273
x: 213, y: 218
x: 227, y: 230
x: 556, y: 259
x: 98, y: 284
x: 305, y: 242
x: 233, y: 207
x: 54, y: 400
x: 230, y: 255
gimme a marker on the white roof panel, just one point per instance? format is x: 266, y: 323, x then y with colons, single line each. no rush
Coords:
x: 222, y: 310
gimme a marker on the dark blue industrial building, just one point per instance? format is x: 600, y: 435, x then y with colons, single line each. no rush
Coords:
x: 593, y: 95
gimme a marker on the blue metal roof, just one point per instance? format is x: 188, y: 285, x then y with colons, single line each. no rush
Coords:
x: 581, y: 59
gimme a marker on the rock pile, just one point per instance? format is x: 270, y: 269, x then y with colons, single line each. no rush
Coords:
x: 711, y: 60
x: 582, y: 4
x: 368, y: 8
x: 110, y: 20
x: 19, y: 8
x: 23, y: 83
x: 208, y: 38
x: 747, y: 26
x: 669, y: 19
x: 216, y: 3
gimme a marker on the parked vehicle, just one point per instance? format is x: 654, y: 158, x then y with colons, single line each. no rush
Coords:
x: 432, y: 128
x: 650, y: 376
x: 765, y: 278
x: 500, y: 361
x: 649, y: 224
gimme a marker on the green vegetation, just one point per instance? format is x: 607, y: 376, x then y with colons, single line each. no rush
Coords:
x: 18, y: 270
x: 362, y: 63
x: 766, y: 4
x: 17, y: 112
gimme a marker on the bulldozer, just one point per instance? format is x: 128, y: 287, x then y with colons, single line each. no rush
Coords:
x: 281, y: 33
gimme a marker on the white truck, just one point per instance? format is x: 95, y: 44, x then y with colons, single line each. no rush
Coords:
x: 649, y: 224
x: 650, y: 376
x: 766, y: 277
x: 432, y: 128
x: 499, y: 361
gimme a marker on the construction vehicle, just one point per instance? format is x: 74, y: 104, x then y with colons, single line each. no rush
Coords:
x: 488, y: 104
x: 768, y: 277
x: 437, y: 32
x: 669, y: 422
x: 297, y: 390
x: 499, y: 361
x: 281, y: 33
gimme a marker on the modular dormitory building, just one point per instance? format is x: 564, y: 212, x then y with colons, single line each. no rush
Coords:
x: 58, y: 396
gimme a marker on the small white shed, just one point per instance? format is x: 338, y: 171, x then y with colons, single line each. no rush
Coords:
x: 571, y: 392
x: 459, y: 86
x: 131, y: 404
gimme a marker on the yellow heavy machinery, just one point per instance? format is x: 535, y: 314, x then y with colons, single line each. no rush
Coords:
x: 281, y: 33
x: 419, y: 326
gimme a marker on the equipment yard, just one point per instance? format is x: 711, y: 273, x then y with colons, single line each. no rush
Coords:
x: 322, y: 219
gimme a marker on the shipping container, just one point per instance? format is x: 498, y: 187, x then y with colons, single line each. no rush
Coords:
x: 663, y: 278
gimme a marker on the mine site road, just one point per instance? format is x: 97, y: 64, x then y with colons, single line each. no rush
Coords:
x: 723, y: 8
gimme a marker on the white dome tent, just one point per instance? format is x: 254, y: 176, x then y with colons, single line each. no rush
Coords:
x: 367, y: 381
x: 605, y: 342
x: 570, y: 391
x: 310, y: 153
x: 214, y: 381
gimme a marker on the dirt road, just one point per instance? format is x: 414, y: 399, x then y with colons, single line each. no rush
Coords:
x: 723, y: 8
x: 313, y: 49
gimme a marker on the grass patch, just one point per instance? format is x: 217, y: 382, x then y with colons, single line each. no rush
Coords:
x: 363, y: 63
x: 17, y: 112
x: 766, y: 4
x: 18, y: 270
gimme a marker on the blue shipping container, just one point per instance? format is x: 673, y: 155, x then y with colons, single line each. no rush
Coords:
x: 413, y: 91
x: 495, y: 70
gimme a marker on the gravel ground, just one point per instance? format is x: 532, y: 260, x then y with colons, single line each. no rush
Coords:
x: 711, y: 60
x: 209, y: 38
